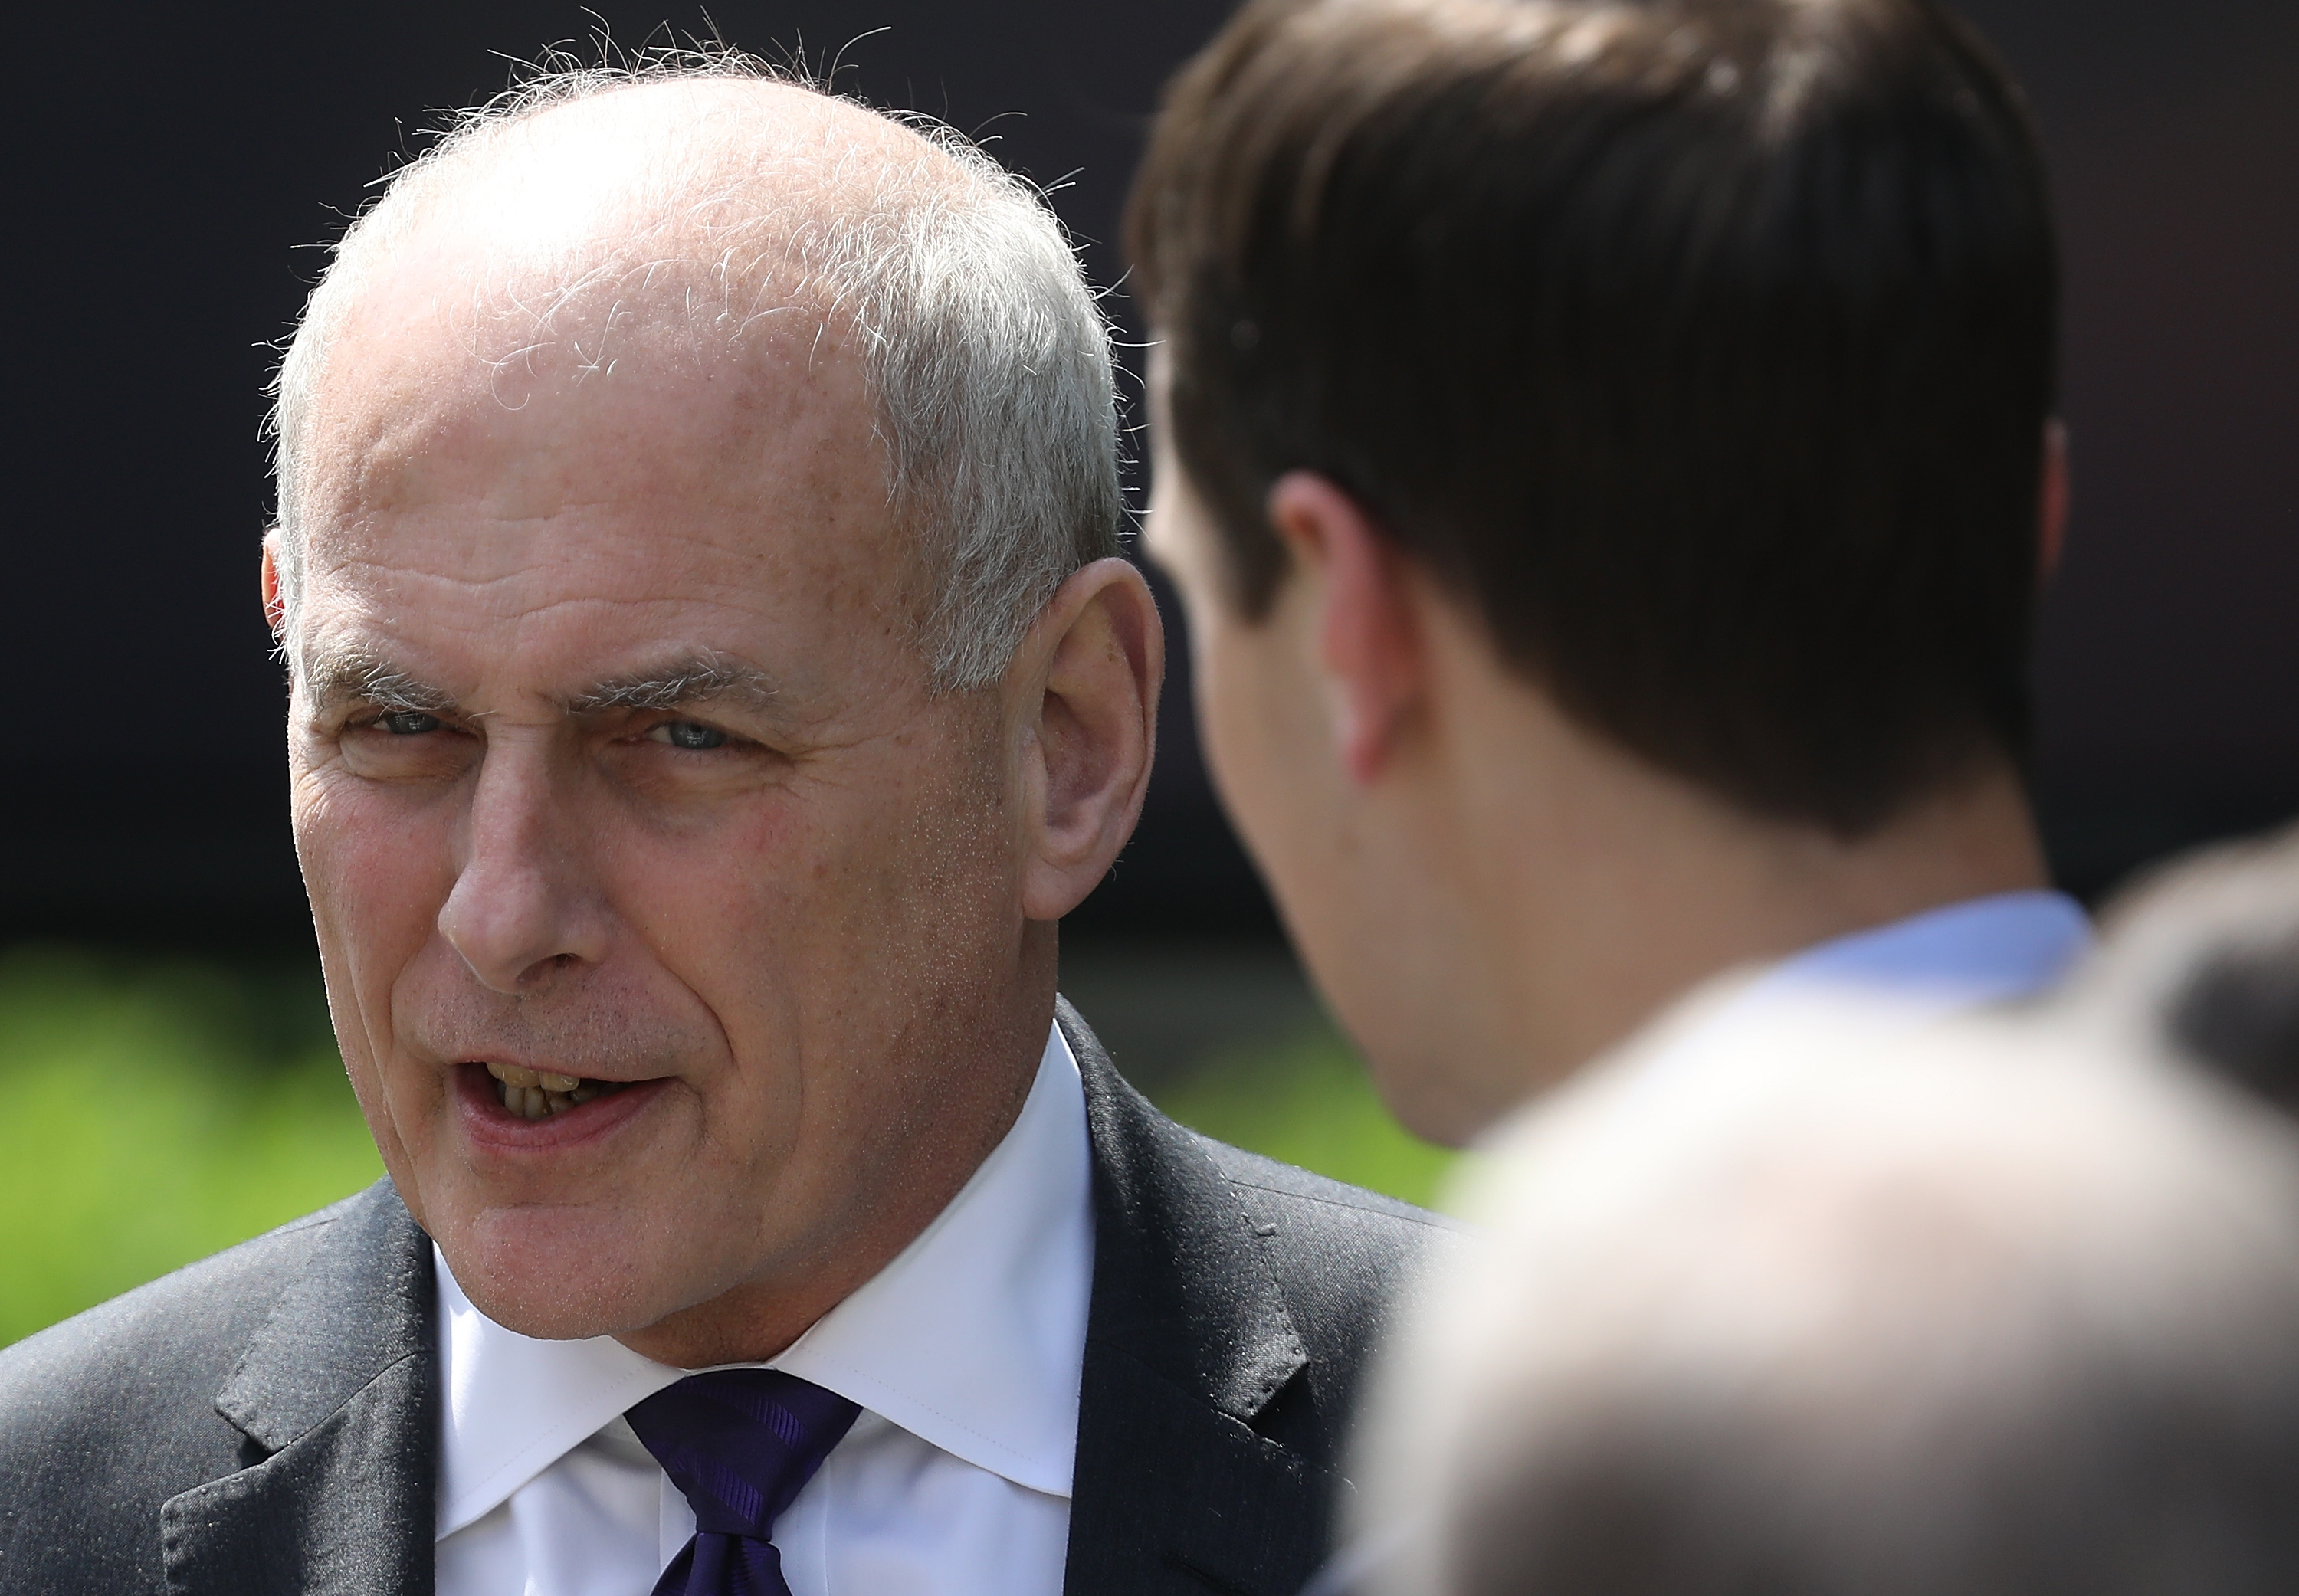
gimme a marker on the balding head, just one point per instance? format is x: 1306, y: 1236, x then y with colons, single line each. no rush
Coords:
x: 594, y: 223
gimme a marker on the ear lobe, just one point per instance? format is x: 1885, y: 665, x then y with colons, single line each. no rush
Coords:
x: 1369, y: 634
x: 1095, y: 731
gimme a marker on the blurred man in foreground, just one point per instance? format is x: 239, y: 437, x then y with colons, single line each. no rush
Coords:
x: 1998, y: 1306
x: 2203, y: 960
x: 713, y: 679
x: 1605, y: 449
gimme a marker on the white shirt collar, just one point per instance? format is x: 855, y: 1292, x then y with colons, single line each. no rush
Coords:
x: 972, y: 1339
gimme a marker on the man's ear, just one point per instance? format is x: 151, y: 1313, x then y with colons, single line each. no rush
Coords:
x: 2052, y: 511
x: 1101, y: 650
x: 1369, y: 636
x: 275, y: 607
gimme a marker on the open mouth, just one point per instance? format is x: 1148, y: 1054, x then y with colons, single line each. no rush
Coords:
x: 538, y: 1093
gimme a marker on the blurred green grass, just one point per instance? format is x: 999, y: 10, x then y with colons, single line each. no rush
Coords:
x: 1305, y: 1101
x: 156, y: 1112
x: 159, y: 1110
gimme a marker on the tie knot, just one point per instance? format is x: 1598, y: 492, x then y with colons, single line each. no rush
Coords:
x: 741, y: 1443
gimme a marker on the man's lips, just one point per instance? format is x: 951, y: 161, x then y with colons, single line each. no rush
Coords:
x: 496, y: 1098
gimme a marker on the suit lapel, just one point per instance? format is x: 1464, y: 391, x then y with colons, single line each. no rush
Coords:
x: 1188, y: 1339
x: 337, y: 1397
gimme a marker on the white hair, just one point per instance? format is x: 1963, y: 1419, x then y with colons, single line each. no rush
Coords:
x: 985, y: 354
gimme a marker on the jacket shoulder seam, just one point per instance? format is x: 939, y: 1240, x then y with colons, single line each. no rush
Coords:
x: 1409, y: 1214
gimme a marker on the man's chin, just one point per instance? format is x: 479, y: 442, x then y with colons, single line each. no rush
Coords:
x: 558, y: 1273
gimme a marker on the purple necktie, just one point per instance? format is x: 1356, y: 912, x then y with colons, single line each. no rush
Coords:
x: 741, y: 1443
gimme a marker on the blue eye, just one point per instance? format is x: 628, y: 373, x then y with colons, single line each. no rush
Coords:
x: 687, y: 734
x: 409, y: 723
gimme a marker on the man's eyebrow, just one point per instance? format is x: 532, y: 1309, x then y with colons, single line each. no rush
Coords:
x: 331, y: 676
x: 689, y: 679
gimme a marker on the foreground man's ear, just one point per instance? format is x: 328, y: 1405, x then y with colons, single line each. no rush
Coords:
x: 1369, y: 640
x: 1097, y: 658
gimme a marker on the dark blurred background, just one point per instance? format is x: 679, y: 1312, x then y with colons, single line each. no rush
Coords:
x: 175, y: 165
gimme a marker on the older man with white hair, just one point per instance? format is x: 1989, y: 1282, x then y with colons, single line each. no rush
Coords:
x: 713, y: 679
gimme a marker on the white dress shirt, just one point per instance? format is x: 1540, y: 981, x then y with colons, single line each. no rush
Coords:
x: 964, y: 1354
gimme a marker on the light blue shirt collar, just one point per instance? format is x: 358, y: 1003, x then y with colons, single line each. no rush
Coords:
x: 1993, y: 949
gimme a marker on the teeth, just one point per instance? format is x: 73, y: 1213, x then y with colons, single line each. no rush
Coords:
x: 537, y: 1093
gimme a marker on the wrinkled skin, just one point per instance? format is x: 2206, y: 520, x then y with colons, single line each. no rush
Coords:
x: 804, y: 919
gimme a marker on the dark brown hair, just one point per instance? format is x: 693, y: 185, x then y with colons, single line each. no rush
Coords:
x: 1702, y: 347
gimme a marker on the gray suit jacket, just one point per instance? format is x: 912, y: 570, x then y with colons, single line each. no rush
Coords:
x: 266, y: 1421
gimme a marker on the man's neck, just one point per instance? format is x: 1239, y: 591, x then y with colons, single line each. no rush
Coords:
x: 1702, y: 900
x: 1607, y: 890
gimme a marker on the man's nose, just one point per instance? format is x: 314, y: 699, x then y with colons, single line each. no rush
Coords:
x: 525, y: 904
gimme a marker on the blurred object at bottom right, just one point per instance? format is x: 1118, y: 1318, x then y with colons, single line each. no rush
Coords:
x: 1813, y: 1296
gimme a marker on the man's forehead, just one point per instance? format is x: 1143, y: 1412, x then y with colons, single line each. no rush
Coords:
x: 541, y: 562
x: 411, y: 420
x: 645, y: 411
x: 557, y: 545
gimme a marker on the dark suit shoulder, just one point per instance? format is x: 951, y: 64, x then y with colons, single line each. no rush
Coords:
x: 104, y: 1416
x: 1252, y: 1170
x: 141, y: 1339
